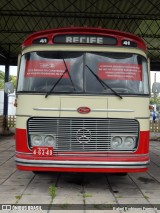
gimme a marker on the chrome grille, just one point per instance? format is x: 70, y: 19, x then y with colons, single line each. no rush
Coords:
x: 82, y: 134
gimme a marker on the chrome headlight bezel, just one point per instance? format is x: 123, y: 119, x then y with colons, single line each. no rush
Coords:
x: 34, y: 140
x: 50, y: 140
x: 124, y: 146
x: 129, y: 142
x: 44, y: 140
x: 116, y: 142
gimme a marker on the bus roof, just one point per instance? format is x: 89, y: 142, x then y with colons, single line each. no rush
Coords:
x: 84, y: 35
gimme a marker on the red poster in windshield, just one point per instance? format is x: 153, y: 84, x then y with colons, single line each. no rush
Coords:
x: 120, y: 71
x: 46, y: 69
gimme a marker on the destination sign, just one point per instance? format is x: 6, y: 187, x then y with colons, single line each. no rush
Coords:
x: 84, y: 39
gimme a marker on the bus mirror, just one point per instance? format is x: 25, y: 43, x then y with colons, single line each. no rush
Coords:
x: 8, y: 87
x: 156, y: 87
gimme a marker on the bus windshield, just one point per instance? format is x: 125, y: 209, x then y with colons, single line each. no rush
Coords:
x: 83, y: 73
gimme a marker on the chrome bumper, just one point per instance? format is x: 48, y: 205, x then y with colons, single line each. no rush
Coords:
x: 81, y: 164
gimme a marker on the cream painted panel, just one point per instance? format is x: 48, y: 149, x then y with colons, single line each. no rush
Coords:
x: 98, y: 106
x: 38, y: 105
x: 21, y: 122
x: 144, y: 124
x: 83, y: 48
x: 128, y: 107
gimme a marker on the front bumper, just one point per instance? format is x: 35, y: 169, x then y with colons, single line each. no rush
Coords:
x: 121, y: 164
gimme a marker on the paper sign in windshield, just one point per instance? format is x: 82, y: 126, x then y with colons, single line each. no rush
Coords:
x: 120, y: 71
x: 46, y: 69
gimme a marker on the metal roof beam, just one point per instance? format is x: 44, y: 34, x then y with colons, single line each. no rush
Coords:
x: 79, y: 14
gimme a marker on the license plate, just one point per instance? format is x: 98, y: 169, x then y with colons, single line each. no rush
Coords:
x: 42, y: 151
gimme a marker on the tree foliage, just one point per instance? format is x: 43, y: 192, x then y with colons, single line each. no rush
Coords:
x: 12, y: 79
x: 156, y: 101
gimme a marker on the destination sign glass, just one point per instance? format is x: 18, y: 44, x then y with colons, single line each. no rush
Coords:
x: 84, y: 39
x: 42, y: 40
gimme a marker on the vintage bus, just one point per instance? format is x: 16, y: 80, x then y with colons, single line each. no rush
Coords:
x: 83, y: 102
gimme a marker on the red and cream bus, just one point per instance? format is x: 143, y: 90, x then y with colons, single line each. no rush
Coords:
x: 83, y: 102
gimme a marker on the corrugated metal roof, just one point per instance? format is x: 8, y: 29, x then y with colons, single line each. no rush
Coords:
x: 20, y: 18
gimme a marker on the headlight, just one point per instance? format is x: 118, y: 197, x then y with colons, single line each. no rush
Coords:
x: 116, y: 142
x: 123, y: 142
x: 43, y: 140
x: 129, y: 142
x: 36, y: 140
x: 50, y: 140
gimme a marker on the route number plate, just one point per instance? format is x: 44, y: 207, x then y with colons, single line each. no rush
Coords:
x: 42, y: 151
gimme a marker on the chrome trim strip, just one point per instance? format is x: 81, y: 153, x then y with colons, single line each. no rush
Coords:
x: 80, y: 164
x: 54, y: 109
x: 23, y: 153
x: 28, y: 116
x: 142, y: 117
x: 112, y: 110
x: 108, y: 154
x: 74, y: 109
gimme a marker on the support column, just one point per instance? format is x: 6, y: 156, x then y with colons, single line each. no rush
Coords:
x: 5, y: 108
x: 6, y: 79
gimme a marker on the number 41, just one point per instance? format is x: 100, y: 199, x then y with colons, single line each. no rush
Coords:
x: 127, y: 43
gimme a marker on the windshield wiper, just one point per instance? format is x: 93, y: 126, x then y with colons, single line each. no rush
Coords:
x: 103, y: 83
x: 69, y: 75
x: 66, y: 71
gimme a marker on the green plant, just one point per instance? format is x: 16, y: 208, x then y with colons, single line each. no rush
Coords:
x: 146, y: 197
x: 52, y: 191
x: 120, y: 196
x: 86, y: 195
x: 12, y: 79
x: 18, y: 197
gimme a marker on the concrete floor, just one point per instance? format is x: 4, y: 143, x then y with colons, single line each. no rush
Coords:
x: 78, y: 192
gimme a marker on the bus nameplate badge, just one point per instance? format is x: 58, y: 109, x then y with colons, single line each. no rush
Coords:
x: 42, y: 151
x: 83, y: 110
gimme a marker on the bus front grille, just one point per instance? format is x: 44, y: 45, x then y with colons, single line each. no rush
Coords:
x: 82, y: 134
